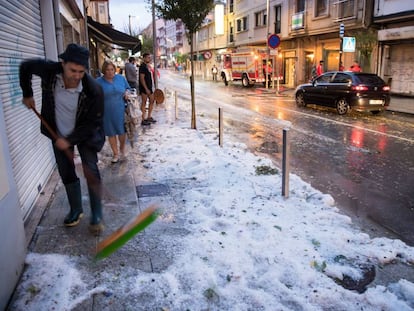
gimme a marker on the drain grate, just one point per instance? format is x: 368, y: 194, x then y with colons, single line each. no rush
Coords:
x: 152, y: 190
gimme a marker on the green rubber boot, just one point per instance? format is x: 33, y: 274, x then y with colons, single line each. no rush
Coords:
x: 73, y: 191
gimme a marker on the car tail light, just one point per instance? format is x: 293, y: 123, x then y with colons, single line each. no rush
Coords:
x: 386, y: 88
x: 360, y: 88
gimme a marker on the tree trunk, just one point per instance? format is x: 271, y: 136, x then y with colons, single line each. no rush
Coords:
x: 193, y: 113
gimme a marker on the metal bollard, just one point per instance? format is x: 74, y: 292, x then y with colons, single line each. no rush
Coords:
x: 176, y: 105
x: 285, y: 164
x: 220, y: 116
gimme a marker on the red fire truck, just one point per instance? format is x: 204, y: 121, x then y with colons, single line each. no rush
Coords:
x: 247, y: 66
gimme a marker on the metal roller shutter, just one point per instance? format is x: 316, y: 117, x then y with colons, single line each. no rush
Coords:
x: 31, y: 153
x: 402, y: 68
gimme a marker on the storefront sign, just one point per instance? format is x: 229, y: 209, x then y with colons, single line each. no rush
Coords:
x: 396, y: 33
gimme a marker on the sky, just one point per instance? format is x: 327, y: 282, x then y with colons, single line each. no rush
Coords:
x: 120, y: 10
x: 247, y: 247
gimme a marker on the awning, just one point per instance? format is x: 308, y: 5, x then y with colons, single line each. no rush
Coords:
x: 107, y: 35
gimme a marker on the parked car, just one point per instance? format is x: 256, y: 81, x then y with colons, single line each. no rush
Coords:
x: 345, y: 90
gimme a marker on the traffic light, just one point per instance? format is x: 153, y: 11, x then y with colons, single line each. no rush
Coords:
x: 341, y: 30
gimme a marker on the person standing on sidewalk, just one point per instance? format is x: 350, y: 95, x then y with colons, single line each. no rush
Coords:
x: 115, y: 88
x: 214, y: 72
x: 73, y: 107
x: 319, y: 68
x: 355, y: 67
x: 146, y: 90
x: 131, y: 73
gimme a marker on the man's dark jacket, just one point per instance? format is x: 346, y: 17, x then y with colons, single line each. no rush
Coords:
x: 89, y: 116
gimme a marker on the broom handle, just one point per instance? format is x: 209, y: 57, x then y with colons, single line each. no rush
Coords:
x: 45, y: 124
x: 87, y: 172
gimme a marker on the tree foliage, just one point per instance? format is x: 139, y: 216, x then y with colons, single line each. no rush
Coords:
x: 366, y: 41
x: 192, y: 13
x: 147, y: 44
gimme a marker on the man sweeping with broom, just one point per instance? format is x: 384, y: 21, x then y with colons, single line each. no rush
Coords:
x: 71, y: 114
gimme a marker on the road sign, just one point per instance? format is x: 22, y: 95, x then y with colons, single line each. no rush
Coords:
x: 207, y: 55
x: 273, y: 41
x: 348, y: 44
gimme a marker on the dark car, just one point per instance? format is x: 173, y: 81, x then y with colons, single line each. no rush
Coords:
x: 345, y: 90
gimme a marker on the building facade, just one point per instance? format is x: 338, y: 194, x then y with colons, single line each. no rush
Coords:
x: 38, y: 29
x: 395, y: 23
x: 376, y: 33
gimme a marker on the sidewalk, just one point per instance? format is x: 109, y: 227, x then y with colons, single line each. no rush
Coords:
x: 214, y: 203
x: 128, y: 190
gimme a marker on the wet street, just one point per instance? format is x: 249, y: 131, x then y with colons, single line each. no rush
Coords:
x: 365, y: 162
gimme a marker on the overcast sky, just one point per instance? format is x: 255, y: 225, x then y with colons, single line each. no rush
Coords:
x: 139, y: 10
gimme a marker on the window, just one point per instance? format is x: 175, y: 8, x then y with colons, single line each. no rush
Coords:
x: 300, y: 6
x: 102, y: 16
x: 342, y: 78
x: 231, y: 35
x: 260, y: 18
x: 101, y: 8
x: 241, y: 24
x: 345, y: 9
x: 320, y: 8
x: 278, y: 19
x: 231, y: 6
x: 203, y: 34
x: 326, y: 78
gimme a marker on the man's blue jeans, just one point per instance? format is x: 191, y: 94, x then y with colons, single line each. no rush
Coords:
x: 66, y: 166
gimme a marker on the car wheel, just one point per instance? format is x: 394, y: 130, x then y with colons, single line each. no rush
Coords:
x: 376, y: 112
x: 300, y: 101
x: 245, y: 81
x: 342, y: 106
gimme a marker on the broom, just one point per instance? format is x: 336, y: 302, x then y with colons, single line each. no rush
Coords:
x: 124, y: 233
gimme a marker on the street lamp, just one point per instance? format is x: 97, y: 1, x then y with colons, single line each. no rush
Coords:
x: 170, y: 46
x: 129, y: 25
x: 154, y: 42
